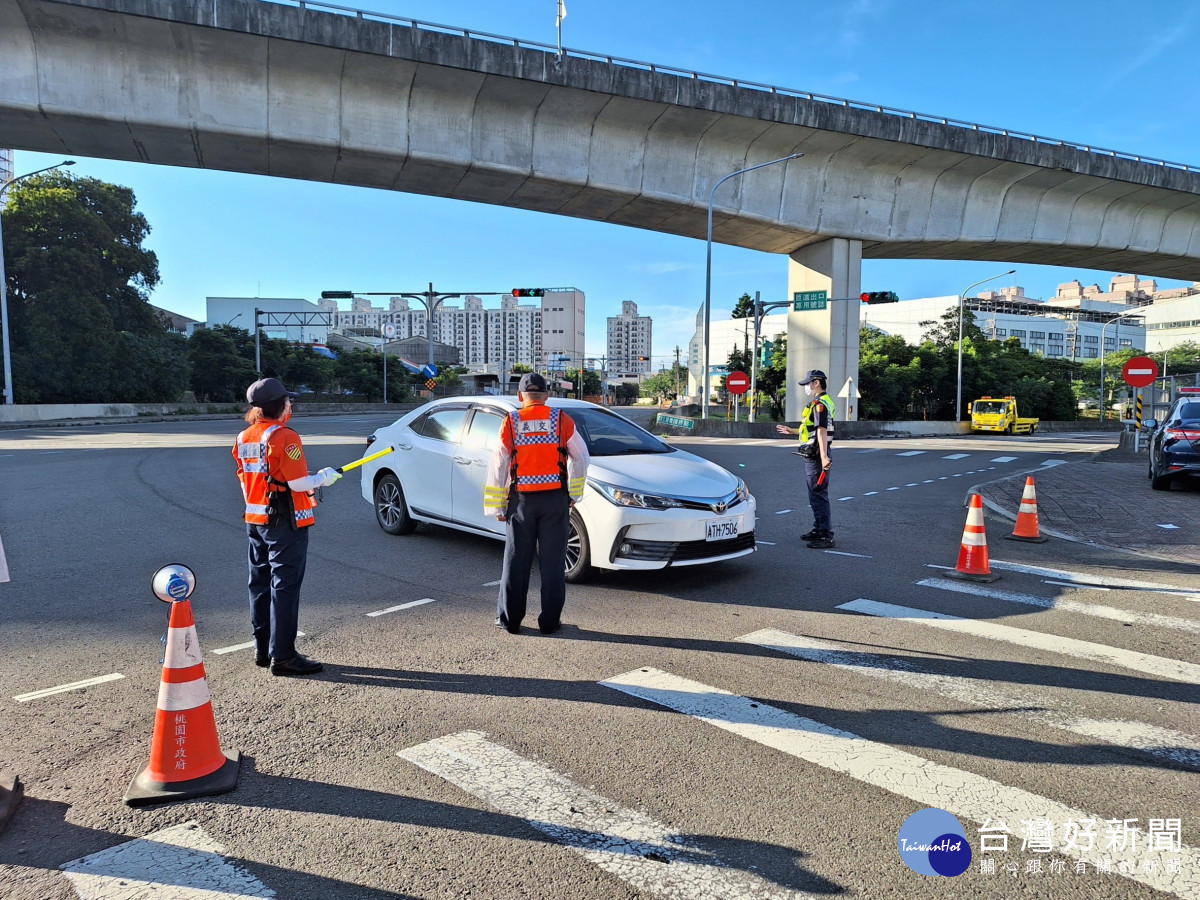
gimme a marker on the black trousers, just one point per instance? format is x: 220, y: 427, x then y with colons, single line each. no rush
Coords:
x: 537, y: 522
x: 818, y: 495
x: 278, y: 557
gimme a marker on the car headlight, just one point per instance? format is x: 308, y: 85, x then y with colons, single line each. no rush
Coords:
x: 743, y: 492
x: 627, y: 497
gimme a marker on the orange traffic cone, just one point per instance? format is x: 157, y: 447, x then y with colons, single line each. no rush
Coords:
x: 1027, y: 519
x: 973, y: 555
x: 185, y: 754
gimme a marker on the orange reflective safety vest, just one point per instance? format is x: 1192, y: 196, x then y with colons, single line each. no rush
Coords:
x: 539, y: 436
x: 269, y: 455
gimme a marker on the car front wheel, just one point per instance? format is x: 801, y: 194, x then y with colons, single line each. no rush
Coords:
x: 579, y: 550
x: 391, y: 512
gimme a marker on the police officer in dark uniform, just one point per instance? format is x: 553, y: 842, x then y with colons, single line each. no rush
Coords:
x: 816, y: 442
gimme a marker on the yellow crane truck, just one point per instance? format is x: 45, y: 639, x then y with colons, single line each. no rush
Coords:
x: 1000, y: 414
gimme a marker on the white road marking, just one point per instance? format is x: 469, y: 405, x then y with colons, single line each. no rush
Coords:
x: 1168, y: 526
x: 645, y: 854
x: 1004, y: 459
x: 1088, y: 609
x: 3, y: 563
x: 1091, y: 587
x: 248, y: 645
x: 893, y: 489
x: 943, y: 477
x: 911, y: 484
x: 180, y: 862
x: 1161, y: 742
x: 844, y: 553
x: 957, y: 456
x: 869, y: 450
x: 911, y: 453
x: 843, y: 499
x: 63, y: 688
x: 1144, y: 663
x: 870, y: 493
x: 1048, y: 463
x: 1076, y: 578
x: 768, y: 543
x: 965, y: 794
x: 782, y: 512
x: 927, y: 481
x: 957, y: 475
x: 409, y: 605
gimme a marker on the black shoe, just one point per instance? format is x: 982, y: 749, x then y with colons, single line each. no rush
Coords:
x: 297, y: 665
x: 549, y: 629
x: 262, y: 659
x: 510, y: 629
x: 823, y: 542
x: 812, y: 535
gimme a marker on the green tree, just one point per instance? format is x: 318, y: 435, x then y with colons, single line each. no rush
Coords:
x: 78, y: 280
x: 772, y: 379
x: 586, y: 381
x: 744, y: 308
x: 220, y: 373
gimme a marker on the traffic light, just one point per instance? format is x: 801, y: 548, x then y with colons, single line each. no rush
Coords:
x: 528, y: 292
x: 643, y: 359
x: 337, y: 295
x: 879, y: 297
x: 766, y: 354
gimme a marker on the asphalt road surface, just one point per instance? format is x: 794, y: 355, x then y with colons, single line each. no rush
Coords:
x: 757, y: 728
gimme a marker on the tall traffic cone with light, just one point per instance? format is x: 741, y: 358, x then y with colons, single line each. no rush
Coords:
x: 186, y: 759
x: 1027, y: 517
x: 973, y: 555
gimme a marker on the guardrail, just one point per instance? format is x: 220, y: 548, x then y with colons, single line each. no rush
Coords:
x: 735, y: 82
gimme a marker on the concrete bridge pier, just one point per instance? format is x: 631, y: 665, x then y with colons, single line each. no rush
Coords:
x: 825, y: 339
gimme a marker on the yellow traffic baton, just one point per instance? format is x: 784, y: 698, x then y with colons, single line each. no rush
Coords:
x: 342, y: 470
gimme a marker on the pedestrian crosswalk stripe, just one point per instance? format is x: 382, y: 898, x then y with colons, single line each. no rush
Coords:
x: 911, y: 453
x: 3, y: 563
x: 643, y: 853
x: 957, y: 456
x: 1175, y: 669
x: 962, y: 793
x: 1165, y: 743
x: 1097, y: 610
x: 1079, y: 578
x: 1003, y: 459
x: 180, y: 862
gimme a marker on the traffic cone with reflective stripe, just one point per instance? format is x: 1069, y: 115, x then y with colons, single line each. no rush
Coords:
x: 1027, y: 519
x: 185, y: 754
x: 973, y: 555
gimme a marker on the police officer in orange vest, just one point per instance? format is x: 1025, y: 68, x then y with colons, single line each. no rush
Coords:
x: 279, y: 511
x: 536, y: 475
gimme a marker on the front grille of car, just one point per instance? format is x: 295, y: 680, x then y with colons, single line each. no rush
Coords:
x: 680, y: 551
x: 719, y: 505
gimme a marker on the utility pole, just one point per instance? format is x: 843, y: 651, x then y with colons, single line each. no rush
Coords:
x: 676, y: 372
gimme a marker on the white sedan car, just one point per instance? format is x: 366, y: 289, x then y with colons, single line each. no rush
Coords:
x: 647, y: 505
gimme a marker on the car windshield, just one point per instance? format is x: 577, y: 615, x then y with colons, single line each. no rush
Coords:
x: 607, y: 434
x: 990, y: 407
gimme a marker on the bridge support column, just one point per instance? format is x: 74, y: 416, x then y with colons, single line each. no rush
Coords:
x: 825, y: 339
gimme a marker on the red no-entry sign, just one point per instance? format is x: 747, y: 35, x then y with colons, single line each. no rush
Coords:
x: 738, y: 382
x: 1140, y: 372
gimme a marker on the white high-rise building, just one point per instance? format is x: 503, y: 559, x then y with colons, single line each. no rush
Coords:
x: 629, y: 342
x: 549, y: 334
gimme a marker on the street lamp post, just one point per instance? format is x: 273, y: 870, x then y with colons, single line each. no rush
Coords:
x: 1103, y: 329
x: 708, y: 273
x: 958, y: 392
x: 8, y: 386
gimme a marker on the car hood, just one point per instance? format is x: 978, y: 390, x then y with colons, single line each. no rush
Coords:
x: 678, y: 474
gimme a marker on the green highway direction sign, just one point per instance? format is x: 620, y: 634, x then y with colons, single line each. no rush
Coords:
x: 676, y: 421
x: 806, y: 301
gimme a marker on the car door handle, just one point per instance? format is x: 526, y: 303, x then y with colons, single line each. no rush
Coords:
x: 462, y: 460
x: 403, y: 446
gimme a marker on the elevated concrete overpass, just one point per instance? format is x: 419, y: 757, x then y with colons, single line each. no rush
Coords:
x: 319, y: 94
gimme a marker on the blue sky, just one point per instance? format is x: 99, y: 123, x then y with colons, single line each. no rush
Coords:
x: 1111, y: 74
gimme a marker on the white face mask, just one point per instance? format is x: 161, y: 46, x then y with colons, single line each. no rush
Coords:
x: 808, y: 389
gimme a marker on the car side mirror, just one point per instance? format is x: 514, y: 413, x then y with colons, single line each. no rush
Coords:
x: 1150, y: 423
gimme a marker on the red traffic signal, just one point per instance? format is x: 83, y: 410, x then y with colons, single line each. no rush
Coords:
x: 528, y: 292
x: 879, y: 297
